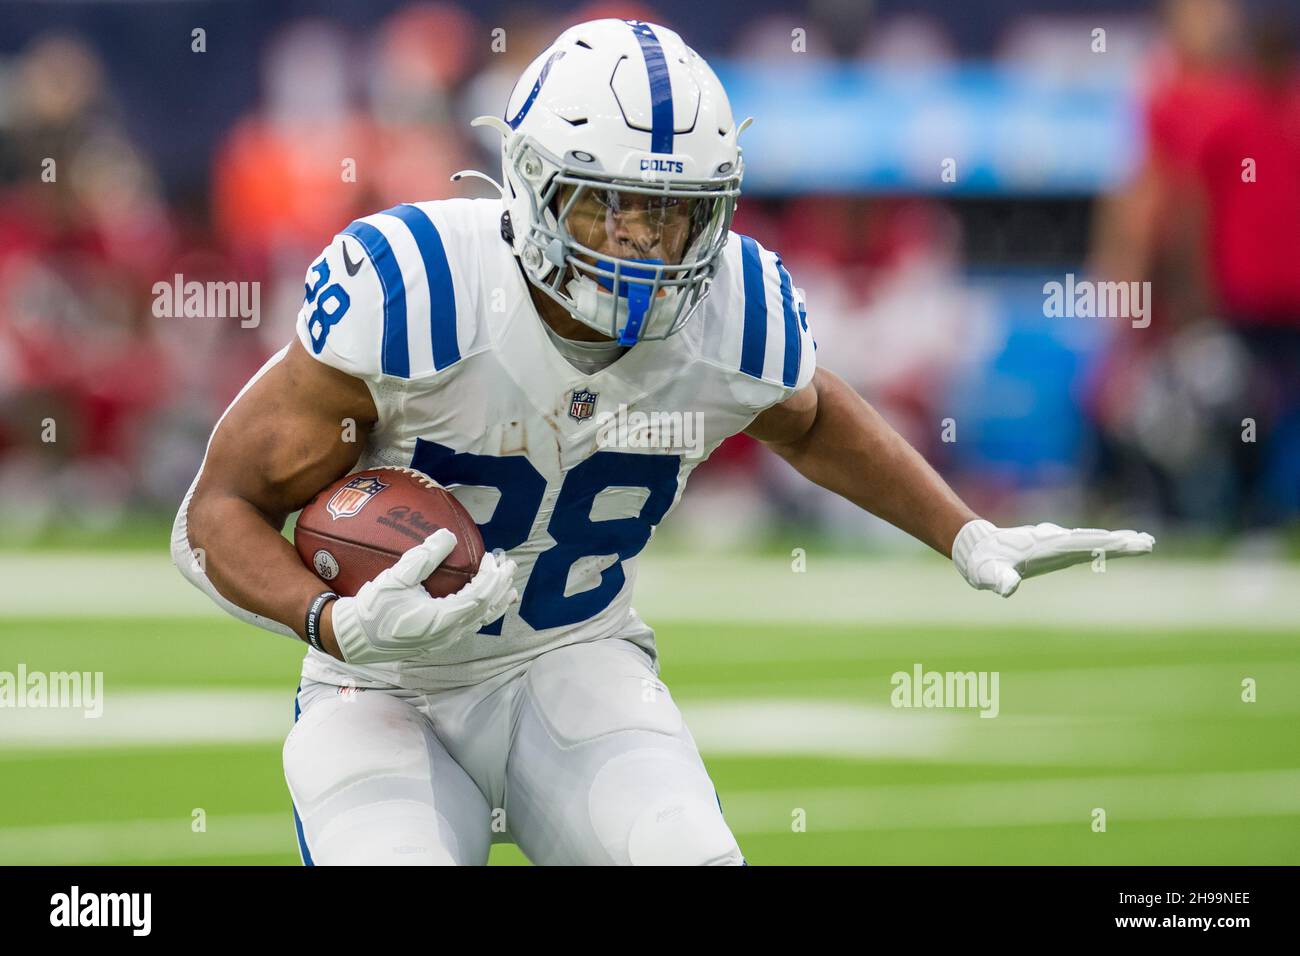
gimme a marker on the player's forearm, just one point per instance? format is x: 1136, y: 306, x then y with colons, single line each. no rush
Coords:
x: 851, y: 450
x: 252, y: 565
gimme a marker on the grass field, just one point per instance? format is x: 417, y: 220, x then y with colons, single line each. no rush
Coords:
x: 793, y: 716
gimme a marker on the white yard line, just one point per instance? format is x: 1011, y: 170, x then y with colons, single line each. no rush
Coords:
x: 154, y: 840
x: 744, y: 589
x: 134, y: 718
x: 1015, y: 803
x: 1005, y: 803
x: 198, y: 716
x: 1138, y: 691
x: 727, y: 726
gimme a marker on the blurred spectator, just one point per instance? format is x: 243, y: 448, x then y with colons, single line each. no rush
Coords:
x: 1216, y: 237
x: 525, y: 32
x: 908, y: 43
x: 289, y: 174
x: 81, y: 225
x: 422, y: 54
x: 1249, y: 173
x: 1077, y: 46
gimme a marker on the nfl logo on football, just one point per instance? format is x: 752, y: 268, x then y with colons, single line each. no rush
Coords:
x: 353, y: 496
x: 582, y: 404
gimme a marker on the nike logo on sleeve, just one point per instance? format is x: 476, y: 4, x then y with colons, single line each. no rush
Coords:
x: 352, y: 267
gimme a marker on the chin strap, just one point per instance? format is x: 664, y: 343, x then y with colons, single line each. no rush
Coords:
x: 637, y: 295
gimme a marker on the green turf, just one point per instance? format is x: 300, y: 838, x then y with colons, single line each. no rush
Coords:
x: 1094, y: 707
x: 150, y: 532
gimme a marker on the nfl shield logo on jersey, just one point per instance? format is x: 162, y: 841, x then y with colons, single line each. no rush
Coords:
x: 582, y: 404
x: 353, y: 496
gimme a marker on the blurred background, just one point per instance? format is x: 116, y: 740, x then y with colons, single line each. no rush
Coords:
x: 923, y: 167
x: 1110, y: 155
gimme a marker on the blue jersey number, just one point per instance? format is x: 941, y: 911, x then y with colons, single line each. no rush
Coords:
x: 331, y: 306
x: 543, y: 603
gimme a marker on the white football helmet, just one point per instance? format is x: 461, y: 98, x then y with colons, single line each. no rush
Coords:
x: 619, y: 117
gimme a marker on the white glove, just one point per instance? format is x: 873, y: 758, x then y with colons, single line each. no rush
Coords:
x: 995, y: 559
x: 394, y: 617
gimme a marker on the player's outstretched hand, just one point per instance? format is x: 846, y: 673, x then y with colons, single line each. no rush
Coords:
x: 393, y: 616
x: 996, y: 559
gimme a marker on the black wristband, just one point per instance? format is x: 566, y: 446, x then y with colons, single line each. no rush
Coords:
x: 313, y: 618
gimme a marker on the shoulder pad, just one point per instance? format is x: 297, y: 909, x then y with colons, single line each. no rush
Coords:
x: 758, y: 321
x: 389, y: 297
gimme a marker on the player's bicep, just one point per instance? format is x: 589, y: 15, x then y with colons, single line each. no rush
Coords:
x: 297, y: 428
x: 787, y: 422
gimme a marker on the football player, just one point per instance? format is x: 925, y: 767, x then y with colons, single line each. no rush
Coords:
x: 485, y: 342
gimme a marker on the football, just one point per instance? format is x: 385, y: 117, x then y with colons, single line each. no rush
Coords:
x: 362, y: 523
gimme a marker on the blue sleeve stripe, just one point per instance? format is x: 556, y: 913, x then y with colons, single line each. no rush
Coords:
x: 753, y: 347
x: 437, y: 271
x: 793, y: 346
x: 395, y: 358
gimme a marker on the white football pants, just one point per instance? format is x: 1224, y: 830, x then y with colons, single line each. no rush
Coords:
x: 578, y: 756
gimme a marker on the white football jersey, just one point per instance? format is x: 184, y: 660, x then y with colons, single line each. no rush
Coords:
x: 569, y: 473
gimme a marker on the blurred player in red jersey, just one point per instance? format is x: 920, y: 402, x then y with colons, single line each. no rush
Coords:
x: 1209, y: 220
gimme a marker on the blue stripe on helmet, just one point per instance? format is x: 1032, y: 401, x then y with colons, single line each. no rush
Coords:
x: 537, y: 88
x: 437, y: 271
x: 754, y: 342
x: 661, y: 89
x: 395, y: 358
